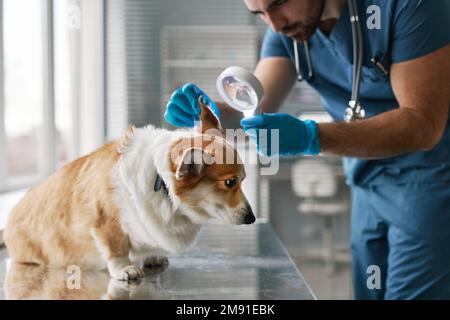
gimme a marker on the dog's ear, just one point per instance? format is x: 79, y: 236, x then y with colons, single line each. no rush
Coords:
x: 193, y: 163
x: 209, y: 122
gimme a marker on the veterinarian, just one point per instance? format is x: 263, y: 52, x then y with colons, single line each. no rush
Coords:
x: 397, y: 158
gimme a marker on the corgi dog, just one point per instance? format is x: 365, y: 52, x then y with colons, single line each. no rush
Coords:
x: 125, y: 205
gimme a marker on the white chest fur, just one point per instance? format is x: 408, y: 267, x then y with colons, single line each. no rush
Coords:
x: 151, y: 219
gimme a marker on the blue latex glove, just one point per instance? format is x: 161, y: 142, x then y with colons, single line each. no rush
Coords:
x: 296, y: 137
x: 183, y: 108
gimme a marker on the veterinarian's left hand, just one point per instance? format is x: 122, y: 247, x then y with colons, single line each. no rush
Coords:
x: 183, y: 109
x: 295, y: 136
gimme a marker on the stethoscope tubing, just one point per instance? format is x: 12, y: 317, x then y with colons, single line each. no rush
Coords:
x: 308, y: 61
x: 358, y: 56
x: 358, y: 49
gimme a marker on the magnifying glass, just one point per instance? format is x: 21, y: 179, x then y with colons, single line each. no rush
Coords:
x: 241, y: 90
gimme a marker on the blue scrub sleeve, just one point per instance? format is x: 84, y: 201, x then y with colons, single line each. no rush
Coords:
x: 273, y: 45
x: 419, y: 28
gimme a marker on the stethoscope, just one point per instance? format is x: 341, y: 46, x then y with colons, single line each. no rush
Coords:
x: 354, y: 111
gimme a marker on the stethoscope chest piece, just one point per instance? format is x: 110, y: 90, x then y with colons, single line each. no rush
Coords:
x: 354, y: 112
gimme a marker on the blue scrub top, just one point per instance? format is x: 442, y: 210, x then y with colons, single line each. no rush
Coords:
x: 409, y: 29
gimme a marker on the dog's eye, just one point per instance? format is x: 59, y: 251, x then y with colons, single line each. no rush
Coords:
x: 230, y: 183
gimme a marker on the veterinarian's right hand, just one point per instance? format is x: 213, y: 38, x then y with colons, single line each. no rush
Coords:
x: 183, y: 108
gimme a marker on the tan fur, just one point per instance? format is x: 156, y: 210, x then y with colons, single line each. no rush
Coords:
x: 32, y: 282
x: 52, y: 225
x: 72, y: 217
x: 125, y: 140
x: 214, y: 174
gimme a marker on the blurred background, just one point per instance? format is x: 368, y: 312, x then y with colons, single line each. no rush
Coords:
x: 75, y: 73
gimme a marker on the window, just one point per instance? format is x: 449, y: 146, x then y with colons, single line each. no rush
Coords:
x: 51, y: 86
x: 23, y: 96
x: 36, y: 113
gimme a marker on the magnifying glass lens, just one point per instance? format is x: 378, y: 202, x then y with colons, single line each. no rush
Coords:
x: 240, y: 89
x: 243, y: 96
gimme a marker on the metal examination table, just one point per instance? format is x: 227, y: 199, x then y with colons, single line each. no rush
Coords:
x: 227, y: 262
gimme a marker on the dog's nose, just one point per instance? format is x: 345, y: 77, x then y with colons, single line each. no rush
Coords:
x: 249, y: 217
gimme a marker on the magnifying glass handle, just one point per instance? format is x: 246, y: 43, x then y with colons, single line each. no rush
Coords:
x: 252, y: 113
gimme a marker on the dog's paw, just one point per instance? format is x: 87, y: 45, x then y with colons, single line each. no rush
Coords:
x: 128, y: 273
x: 156, y: 261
